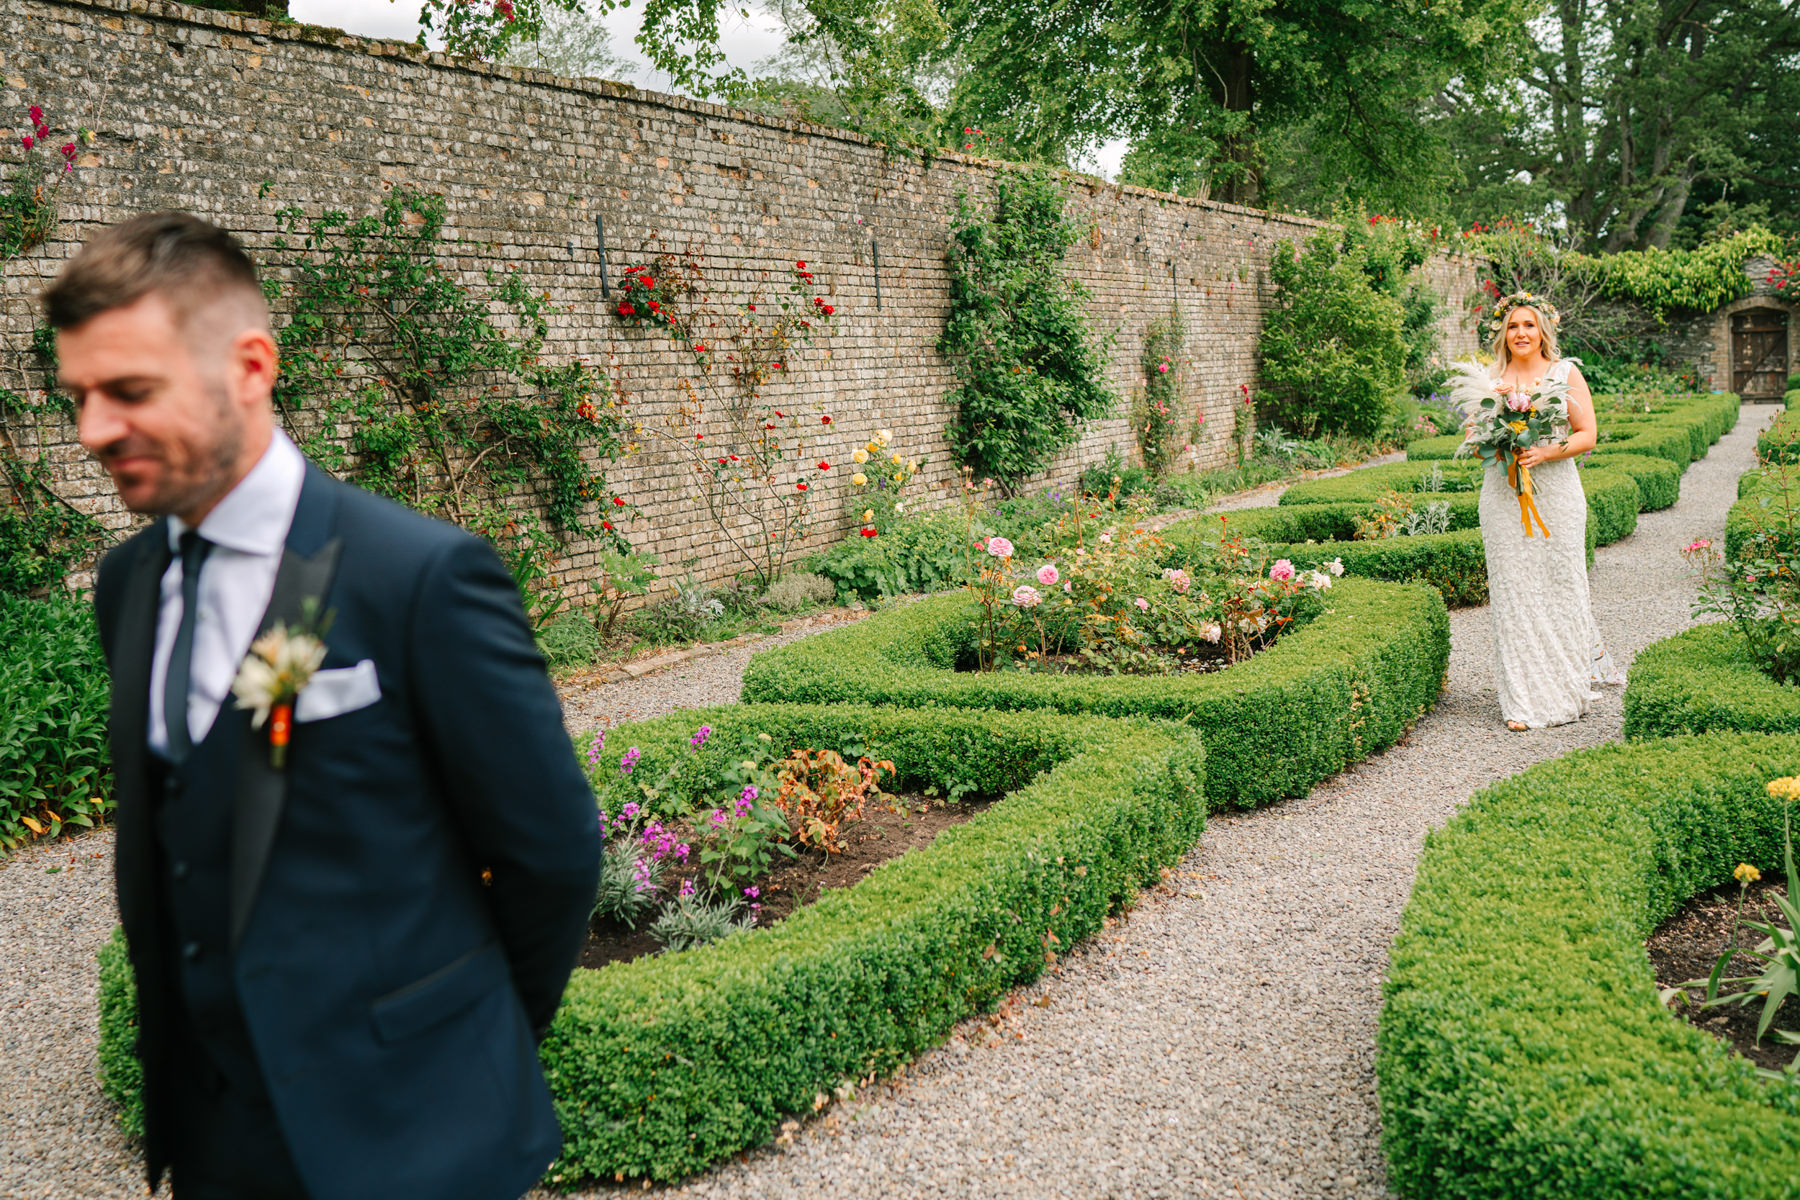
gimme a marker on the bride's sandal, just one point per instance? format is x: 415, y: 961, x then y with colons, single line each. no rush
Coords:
x: 1517, y: 726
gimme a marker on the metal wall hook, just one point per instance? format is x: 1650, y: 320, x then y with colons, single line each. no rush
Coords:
x: 875, y: 260
x: 600, y: 235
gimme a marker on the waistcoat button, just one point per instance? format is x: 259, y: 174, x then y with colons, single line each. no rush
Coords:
x: 179, y: 869
x: 191, y: 951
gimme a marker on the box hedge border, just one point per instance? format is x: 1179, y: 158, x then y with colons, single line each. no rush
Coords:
x: 1678, y: 429
x: 1522, y: 1049
x: 1344, y: 686
x: 1704, y: 680
x: 664, y: 1065
x: 1310, y: 533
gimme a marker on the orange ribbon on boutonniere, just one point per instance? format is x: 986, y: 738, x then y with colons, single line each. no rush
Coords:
x: 279, y: 666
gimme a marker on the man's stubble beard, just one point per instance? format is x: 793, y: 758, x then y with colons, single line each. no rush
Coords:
x: 215, y: 464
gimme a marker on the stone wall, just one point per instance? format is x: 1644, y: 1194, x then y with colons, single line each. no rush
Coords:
x: 1705, y: 340
x: 234, y: 118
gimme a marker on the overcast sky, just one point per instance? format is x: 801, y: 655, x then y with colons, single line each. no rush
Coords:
x: 746, y: 42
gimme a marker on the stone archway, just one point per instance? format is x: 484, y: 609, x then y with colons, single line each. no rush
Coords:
x: 1759, y: 352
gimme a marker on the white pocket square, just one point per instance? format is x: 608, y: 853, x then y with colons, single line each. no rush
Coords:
x: 337, y: 691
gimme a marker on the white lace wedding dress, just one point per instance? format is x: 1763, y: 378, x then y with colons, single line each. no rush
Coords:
x: 1548, y: 656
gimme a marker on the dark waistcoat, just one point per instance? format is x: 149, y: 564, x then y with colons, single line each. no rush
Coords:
x: 193, y: 803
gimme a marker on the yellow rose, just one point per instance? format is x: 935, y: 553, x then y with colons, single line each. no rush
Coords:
x: 896, y: 459
x: 912, y: 464
x: 899, y: 478
x: 859, y: 479
x: 868, y: 514
x: 874, y: 448
x: 884, y: 436
x: 860, y: 455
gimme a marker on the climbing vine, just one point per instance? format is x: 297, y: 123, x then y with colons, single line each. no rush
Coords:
x: 1155, y: 415
x: 42, y: 535
x: 400, y: 377
x: 1028, y: 370
x: 752, y: 461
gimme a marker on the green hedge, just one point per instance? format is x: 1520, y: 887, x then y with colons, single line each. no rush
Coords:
x: 1678, y: 429
x: 1328, y: 694
x: 1658, y: 484
x: 1523, y: 1050
x: 1780, y: 442
x: 54, y: 695
x: 1705, y: 680
x: 667, y: 1064
x: 1761, y: 509
x: 121, y: 1075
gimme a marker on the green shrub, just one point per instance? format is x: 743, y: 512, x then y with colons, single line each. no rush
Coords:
x: 1703, y: 680
x: 1523, y: 1050
x: 121, y: 1074
x: 664, y: 1065
x: 1761, y: 511
x: 1780, y: 442
x: 1330, y: 693
x: 54, y: 694
x: 1434, y: 448
x: 1333, y: 343
x: 1792, y: 396
x: 1028, y: 371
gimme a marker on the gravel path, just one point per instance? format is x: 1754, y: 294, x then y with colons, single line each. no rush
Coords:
x: 1220, y: 1042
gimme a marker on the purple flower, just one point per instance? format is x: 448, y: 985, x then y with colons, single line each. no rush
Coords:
x: 687, y: 887
x: 753, y: 893
x: 595, y: 747
x: 700, y: 736
x: 718, y: 817
x: 630, y: 759
x: 630, y: 811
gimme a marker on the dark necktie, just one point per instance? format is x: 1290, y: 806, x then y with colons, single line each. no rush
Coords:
x: 194, y: 549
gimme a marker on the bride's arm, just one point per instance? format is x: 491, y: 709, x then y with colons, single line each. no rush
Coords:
x: 1582, y: 428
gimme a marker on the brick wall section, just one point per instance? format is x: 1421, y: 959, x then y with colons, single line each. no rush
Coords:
x: 196, y: 109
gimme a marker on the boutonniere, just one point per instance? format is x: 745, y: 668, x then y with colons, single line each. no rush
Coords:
x: 270, y: 679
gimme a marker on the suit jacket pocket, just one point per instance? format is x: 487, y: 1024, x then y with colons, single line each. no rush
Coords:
x: 442, y: 994
x: 336, y: 691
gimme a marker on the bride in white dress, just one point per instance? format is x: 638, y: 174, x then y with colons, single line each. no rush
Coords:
x: 1547, y: 651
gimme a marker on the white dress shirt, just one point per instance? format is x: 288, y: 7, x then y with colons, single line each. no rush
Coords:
x: 247, y: 529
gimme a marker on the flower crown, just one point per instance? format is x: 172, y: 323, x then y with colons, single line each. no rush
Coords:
x: 1544, y: 308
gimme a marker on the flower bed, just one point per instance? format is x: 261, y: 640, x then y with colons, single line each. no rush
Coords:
x: 1703, y: 680
x: 667, y: 1064
x: 1315, y: 521
x: 55, y: 770
x: 1523, y: 1050
x: 1341, y: 687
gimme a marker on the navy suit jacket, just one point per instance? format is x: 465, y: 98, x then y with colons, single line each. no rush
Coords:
x: 392, y: 997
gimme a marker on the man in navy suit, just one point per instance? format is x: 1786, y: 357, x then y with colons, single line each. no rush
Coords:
x: 343, y: 961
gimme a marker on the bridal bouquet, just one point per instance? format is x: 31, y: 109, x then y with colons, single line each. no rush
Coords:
x: 1499, y: 425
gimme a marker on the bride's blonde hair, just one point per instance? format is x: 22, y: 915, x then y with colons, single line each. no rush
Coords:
x: 1547, y: 318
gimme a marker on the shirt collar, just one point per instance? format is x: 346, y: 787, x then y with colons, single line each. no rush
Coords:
x: 255, y: 515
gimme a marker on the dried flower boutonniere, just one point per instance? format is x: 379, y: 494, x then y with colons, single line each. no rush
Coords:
x: 280, y: 664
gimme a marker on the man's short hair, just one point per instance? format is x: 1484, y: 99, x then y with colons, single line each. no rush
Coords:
x: 189, y: 262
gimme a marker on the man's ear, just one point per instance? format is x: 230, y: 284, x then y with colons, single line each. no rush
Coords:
x: 251, y: 364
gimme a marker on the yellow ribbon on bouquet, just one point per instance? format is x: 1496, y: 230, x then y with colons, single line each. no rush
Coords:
x: 1520, y: 478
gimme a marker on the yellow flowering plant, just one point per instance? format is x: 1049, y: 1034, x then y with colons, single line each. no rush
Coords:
x: 1779, y: 949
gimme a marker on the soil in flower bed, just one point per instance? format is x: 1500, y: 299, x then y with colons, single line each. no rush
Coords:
x: 793, y: 883
x: 1688, y: 944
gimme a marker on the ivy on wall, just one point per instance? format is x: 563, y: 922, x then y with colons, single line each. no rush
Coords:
x: 1156, y: 411
x: 1028, y: 369
x: 401, y: 378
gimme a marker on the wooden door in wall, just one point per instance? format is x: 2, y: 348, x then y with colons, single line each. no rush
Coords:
x: 1759, y: 353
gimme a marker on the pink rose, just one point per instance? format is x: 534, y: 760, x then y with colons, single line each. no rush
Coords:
x: 1047, y: 574
x: 1282, y: 571
x: 1143, y: 605
x: 1026, y: 596
x: 999, y: 547
x: 1518, y: 402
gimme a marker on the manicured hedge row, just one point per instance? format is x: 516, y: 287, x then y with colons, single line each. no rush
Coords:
x: 1347, y: 684
x: 1765, y: 496
x: 1704, y: 680
x: 1523, y: 1050
x: 1658, y: 485
x: 1780, y: 442
x: 1678, y: 429
x: 667, y: 1064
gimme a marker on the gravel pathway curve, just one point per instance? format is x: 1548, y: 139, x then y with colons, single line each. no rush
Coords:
x: 1219, y: 1042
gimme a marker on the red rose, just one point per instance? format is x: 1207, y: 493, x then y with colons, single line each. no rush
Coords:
x: 27, y: 141
x: 618, y: 502
x: 868, y: 533
x: 801, y: 486
x: 829, y: 309
x: 721, y: 462
x: 800, y: 266
x: 649, y: 282
x: 698, y: 436
x: 825, y: 420
x: 779, y: 413
x: 734, y: 458
x: 775, y: 366
x: 626, y: 309
x: 606, y: 525
x: 824, y: 466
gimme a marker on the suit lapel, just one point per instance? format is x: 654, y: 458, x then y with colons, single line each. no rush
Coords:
x: 308, y: 563
x: 134, y: 647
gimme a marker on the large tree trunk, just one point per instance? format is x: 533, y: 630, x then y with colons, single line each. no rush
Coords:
x: 1234, y: 87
